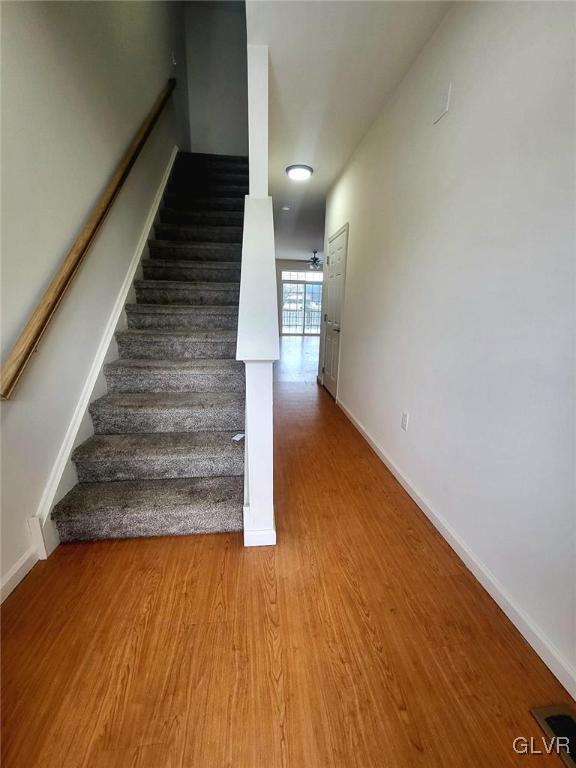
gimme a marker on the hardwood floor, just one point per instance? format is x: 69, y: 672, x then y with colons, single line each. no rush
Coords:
x: 359, y: 641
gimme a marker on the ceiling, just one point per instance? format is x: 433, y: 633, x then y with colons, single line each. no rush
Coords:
x: 333, y: 65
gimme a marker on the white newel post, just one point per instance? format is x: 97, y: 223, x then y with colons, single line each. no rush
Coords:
x: 259, y: 528
x: 258, y: 344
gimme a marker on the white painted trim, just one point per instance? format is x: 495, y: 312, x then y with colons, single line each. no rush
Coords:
x: 266, y: 538
x: 15, y: 575
x: 550, y: 655
x: 47, y: 500
x: 50, y: 536
x: 258, y: 337
x: 258, y: 119
x: 37, y: 536
x: 259, y: 470
x: 322, y: 351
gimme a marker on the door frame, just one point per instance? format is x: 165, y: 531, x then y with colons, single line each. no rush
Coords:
x: 344, y: 228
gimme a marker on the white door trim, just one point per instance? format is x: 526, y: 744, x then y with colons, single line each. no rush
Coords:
x: 344, y: 228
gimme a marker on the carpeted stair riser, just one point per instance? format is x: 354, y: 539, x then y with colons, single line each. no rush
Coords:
x: 179, y: 507
x: 176, y: 292
x: 199, y: 234
x: 205, y: 375
x: 212, y: 190
x: 208, y: 178
x: 213, y: 164
x: 182, y: 345
x: 215, y: 271
x: 172, y: 250
x: 195, y: 203
x: 180, y: 318
x: 207, y: 218
x: 204, y: 179
x: 113, y: 458
x: 196, y: 172
x: 116, y: 414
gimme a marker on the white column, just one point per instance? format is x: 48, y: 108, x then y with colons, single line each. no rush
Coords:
x: 257, y: 342
x: 258, y: 119
x: 259, y: 529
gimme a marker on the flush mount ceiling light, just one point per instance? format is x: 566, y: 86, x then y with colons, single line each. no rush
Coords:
x: 299, y: 172
x: 285, y: 207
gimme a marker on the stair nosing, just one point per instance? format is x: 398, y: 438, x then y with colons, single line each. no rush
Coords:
x: 190, y: 283
x: 146, y: 440
x: 226, y: 333
x: 162, y: 401
x: 206, y: 264
x: 193, y: 244
x: 181, y: 308
x: 188, y: 364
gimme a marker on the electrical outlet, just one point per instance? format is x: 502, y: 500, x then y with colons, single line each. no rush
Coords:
x: 404, y: 422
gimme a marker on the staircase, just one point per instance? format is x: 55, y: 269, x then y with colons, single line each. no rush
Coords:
x: 162, y: 460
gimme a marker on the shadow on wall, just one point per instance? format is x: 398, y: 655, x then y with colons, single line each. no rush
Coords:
x: 217, y: 77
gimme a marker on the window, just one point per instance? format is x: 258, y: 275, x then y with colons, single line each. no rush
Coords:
x: 303, y: 277
x: 301, y: 302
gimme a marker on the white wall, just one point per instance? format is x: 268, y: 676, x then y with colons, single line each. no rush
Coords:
x: 460, y: 305
x: 77, y: 80
x: 217, y: 79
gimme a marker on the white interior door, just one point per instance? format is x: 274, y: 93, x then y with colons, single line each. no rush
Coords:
x: 334, y: 276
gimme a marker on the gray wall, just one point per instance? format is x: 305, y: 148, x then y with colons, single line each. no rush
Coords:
x: 217, y: 77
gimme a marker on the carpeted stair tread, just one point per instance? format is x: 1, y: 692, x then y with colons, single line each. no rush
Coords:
x: 184, y: 292
x: 204, y: 202
x: 183, y: 217
x: 206, y: 216
x: 129, y: 412
x: 111, y: 458
x: 210, y: 285
x: 169, y: 507
x: 173, y: 344
x: 204, y: 271
x: 198, y: 233
x: 200, y: 366
x: 182, y: 316
x: 190, y: 251
x: 207, y: 176
x: 212, y: 190
x: 198, y: 168
x: 198, y: 375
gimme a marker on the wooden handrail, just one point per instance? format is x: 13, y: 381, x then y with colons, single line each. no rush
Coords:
x: 22, y: 350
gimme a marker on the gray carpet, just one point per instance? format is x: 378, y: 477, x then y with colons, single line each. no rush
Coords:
x: 162, y: 460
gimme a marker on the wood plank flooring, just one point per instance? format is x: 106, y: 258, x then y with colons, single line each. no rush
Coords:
x: 359, y: 641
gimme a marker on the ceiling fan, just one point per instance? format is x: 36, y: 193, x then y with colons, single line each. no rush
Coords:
x: 314, y: 261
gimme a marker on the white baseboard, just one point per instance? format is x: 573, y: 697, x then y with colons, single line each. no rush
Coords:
x: 550, y: 655
x: 263, y: 538
x: 50, y: 536
x: 15, y: 575
x: 37, y: 537
x: 47, y: 500
x: 260, y: 538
